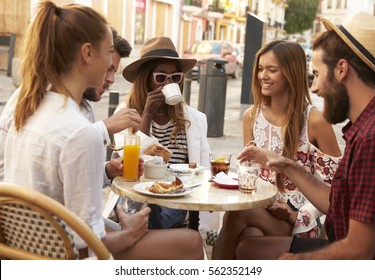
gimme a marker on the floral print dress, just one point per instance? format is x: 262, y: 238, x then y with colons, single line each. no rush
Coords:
x: 310, y: 157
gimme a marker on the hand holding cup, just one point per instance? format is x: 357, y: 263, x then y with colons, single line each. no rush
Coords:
x: 172, y: 94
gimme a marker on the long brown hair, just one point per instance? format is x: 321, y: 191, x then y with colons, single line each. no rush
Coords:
x: 50, y: 48
x: 140, y: 89
x: 292, y: 61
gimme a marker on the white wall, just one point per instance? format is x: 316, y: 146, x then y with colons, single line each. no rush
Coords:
x: 355, y: 6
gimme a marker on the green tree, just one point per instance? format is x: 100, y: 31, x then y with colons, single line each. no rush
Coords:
x: 300, y: 15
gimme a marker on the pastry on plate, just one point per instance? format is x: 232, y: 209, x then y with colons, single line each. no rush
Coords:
x: 159, y: 187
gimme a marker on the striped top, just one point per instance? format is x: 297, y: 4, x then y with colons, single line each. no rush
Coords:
x: 179, y: 149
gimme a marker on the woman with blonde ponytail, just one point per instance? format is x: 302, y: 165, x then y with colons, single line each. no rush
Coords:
x: 282, y: 120
x: 53, y: 148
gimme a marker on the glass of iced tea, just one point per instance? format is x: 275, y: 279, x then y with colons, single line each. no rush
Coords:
x: 220, y: 162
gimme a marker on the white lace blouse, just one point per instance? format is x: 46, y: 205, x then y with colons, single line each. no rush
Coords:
x: 310, y: 157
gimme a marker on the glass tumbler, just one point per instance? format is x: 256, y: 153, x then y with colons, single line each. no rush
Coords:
x: 131, y: 157
x: 248, y: 175
x: 219, y: 162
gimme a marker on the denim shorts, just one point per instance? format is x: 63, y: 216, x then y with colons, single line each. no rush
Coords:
x: 162, y: 217
x: 300, y: 245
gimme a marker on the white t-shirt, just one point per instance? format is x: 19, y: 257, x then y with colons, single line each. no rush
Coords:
x: 59, y: 153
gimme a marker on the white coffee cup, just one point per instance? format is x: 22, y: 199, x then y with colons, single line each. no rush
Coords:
x: 155, y: 171
x: 172, y: 94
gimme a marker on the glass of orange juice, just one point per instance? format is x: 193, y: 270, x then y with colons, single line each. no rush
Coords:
x: 131, y: 157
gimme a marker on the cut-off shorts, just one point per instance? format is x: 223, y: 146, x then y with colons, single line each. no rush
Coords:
x: 300, y: 245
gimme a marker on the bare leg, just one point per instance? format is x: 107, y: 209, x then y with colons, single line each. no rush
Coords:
x: 235, y: 222
x: 262, y: 248
x: 166, y: 244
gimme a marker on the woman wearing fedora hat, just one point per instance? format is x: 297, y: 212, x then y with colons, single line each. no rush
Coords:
x: 178, y: 127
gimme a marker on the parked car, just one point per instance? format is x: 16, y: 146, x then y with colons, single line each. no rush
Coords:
x: 307, y: 49
x: 207, y: 49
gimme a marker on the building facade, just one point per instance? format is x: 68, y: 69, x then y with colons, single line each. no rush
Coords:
x: 339, y: 10
x: 184, y: 21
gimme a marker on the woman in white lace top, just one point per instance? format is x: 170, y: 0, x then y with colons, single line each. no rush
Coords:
x: 282, y: 120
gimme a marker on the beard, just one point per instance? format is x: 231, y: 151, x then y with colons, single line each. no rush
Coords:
x: 336, y: 102
x: 91, y: 95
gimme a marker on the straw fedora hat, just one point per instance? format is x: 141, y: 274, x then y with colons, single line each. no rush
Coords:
x: 358, y: 33
x: 159, y: 47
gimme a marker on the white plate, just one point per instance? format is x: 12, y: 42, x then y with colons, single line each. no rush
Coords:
x: 184, y: 168
x: 143, y: 189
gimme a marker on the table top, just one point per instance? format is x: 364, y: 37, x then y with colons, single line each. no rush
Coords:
x: 208, y: 197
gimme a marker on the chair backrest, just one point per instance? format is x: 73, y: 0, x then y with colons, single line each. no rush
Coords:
x: 35, y: 226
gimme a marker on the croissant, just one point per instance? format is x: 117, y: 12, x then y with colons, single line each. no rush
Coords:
x: 159, y: 187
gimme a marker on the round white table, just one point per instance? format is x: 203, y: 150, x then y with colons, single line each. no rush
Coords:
x: 208, y: 197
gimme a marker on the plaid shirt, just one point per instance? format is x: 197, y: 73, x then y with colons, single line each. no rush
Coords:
x: 353, y: 187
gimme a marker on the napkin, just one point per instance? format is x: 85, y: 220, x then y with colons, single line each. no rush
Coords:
x: 224, y: 179
x: 152, y: 159
x: 110, y: 204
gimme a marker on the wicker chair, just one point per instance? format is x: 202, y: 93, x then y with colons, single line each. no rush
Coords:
x: 34, y: 226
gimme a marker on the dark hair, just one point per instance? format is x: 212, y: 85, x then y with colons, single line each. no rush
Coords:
x: 334, y: 49
x: 121, y: 45
x: 51, y: 45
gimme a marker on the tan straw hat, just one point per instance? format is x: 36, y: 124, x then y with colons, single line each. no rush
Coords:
x: 159, y: 47
x: 358, y: 33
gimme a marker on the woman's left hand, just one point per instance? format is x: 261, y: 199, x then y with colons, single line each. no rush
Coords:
x: 280, y: 209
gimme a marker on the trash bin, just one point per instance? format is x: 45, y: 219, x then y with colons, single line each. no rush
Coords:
x: 7, y: 45
x: 212, y: 95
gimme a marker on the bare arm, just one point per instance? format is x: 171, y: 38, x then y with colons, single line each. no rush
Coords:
x: 321, y: 134
x: 313, y: 188
x: 133, y: 228
x: 358, y: 244
x: 247, y: 126
x: 316, y: 191
x: 123, y: 119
